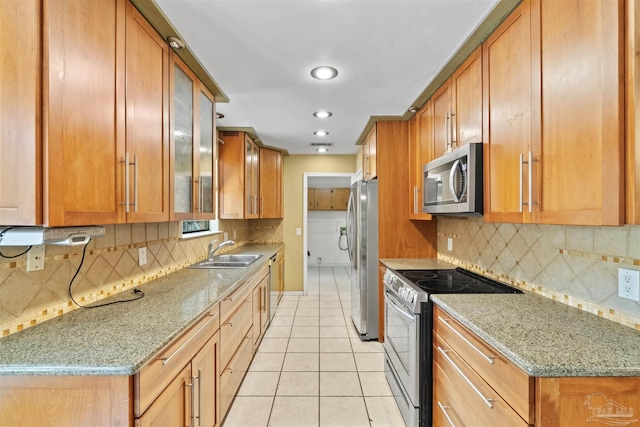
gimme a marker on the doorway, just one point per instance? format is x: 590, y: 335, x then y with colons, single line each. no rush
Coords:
x: 322, y: 223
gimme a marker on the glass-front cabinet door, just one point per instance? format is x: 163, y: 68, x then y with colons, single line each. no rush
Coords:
x: 192, y: 145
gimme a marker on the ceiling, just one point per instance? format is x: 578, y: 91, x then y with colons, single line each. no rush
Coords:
x: 261, y: 52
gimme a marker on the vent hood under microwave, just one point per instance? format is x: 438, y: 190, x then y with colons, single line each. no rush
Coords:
x: 30, y: 236
x: 453, y: 182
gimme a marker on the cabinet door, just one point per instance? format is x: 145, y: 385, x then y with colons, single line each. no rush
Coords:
x: 173, y: 405
x: 183, y: 92
x: 257, y: 331
x: 206, y: 143
x: 231, y: 163
x: 323, y: 199
x: 311, y: 198
x: 280, y: 278
x: 578, y: 106
x: 84, y: 111
x: 206, y: 375
x: 442, y: 120
x: 147, y: 129
x: 414, y: 187
x: 340, y: 198
x: 20, y: 97
x: 466, y: 97
x: 270, y: 183
x: 507, y: 104
x: 251, y: 178
x: 420, y: 147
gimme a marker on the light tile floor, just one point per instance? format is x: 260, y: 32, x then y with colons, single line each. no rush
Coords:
x: 311, y: 369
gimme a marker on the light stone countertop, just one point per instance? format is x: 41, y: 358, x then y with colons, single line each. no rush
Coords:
x: 546, y: 338
x: 119, y: 339
x: 543, y: 337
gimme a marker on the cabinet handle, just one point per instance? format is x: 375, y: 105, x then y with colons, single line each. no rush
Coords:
x: 415, y: 200
x: 521, y: 183
x: 199, y: 377
x: 193, y: 409
x: 135, y: 183
x: 486, y: 400
x: 261, y: 206
x: 484, y: 356
x: 166, y: 360
x: 452, y: 132
x: 444, y: 411
x: 127, y: 197
x: 446, y: 131
x: 530, y: 183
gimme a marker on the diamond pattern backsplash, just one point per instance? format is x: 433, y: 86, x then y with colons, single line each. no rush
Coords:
x: 572, y: 264
x: 110, y: 267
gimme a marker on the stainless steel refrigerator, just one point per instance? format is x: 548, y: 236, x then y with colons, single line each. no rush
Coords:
x: 362, y: 243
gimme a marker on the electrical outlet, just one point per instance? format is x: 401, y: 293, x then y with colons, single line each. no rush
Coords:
x: 449, y: 244
x: 35, y: 258
x: 226, y: 236
x: 142, y: 256
x: 629, y: 284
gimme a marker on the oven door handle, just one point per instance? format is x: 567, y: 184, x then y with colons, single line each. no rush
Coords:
x: 398, y: 308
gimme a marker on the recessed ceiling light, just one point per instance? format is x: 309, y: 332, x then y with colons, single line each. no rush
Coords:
x: 322, y: 150
x: 324, y: 72
x: 413, y: 109
x: 321, y: 133
x: 175, y: 42
x: 322, y: 114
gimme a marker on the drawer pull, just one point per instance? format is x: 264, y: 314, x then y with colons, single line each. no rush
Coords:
x: 166, y: 360
x: 444, y: 411
x: 488, y: 401
x: 484, y: 356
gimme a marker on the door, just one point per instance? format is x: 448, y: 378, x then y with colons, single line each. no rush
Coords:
x: 466, y: 99
x: 354, y: 248
x: 174, y: 405
x: 442, y: 120
x: 206, y: 383
x: 85, y: 112
x: 270, y: 183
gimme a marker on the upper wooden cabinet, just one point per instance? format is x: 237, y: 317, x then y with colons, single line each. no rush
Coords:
x: 238, y: 176
x: 457, y: 107
x: 369, y: 158
x: 193, y: 152
x: 328, y: 199
x: 555, y: 151
x: 20, y: 125
x: 420, y: 148
x: 578, y: 131
x: 271, y: 200
x: 507, y: 88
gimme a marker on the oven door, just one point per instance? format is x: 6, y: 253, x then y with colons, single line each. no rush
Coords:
x: 401, y: 331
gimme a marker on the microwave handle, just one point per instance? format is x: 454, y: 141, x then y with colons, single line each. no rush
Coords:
x: 457, y: 195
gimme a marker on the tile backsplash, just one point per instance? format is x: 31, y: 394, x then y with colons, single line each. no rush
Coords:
x: 575, y: 265
x: 110, y: 267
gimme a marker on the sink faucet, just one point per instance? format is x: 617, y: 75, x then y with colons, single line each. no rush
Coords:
x: 213, y: 251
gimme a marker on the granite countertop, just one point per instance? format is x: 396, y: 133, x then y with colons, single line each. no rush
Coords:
x: 546, y: 338
x: 119, y: 339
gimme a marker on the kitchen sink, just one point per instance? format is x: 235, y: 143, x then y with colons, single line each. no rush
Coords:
x: 228, y: 261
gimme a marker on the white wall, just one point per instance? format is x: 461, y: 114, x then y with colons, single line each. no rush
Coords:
x: 323, y: 231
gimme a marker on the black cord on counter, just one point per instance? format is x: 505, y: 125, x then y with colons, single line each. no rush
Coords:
x: 137, y: 292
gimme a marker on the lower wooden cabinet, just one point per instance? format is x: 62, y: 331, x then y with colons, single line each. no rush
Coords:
x: 474, y: 386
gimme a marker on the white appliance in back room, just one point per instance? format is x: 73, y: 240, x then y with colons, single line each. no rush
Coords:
x: 362, y: 243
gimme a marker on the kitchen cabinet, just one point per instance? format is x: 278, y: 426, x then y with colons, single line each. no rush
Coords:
x: 507, y: 85
x: 568, y: 169
x: 181, y: 385
x: 420, y: 147
x: 20, y: 101
x: 279, y: 278
x: 193, y: 151
x: 467, y: 370
x: 146, y: 163
x: 239, y: 176
x: 260, y: 310
x: 84, y: 110
x: 271, y: 185
x: 457, y: 107
x: 369, y: 155
x: 328, y: 199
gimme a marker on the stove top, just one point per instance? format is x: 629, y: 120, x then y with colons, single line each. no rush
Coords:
x: 454, y: 281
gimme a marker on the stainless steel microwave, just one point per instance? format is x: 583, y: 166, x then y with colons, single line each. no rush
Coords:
x: 453, y: 182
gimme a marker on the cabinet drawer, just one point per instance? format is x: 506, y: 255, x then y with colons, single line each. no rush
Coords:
x: 162, y: 369
x: 444, y: 414
x: 234, y: 329
x: 230, y: 303
x: 466, y: 394
x: 233, y: 373
x: 512, y: 383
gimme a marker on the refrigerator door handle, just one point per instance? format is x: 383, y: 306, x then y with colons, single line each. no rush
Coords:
x: 350, y: 223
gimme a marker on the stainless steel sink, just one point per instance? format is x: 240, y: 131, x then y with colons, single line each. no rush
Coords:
x: 228, y: 261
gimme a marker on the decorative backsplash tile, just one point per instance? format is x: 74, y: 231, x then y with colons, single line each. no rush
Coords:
x: 110, y: 267
x: 572, y: 264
